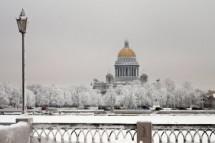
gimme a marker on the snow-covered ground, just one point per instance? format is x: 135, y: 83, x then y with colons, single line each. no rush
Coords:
x: 154, y: 118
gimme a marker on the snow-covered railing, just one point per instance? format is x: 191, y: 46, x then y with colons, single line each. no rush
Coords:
x: 16, y: 133
x: 124, y: 133
x: 183, y: 133
x: 109, y: 133
x: 91, y: 133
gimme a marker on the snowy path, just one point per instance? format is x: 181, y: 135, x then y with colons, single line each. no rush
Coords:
x: 155, y: 119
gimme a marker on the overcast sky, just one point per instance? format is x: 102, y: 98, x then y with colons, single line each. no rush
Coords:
x: 74, y: 41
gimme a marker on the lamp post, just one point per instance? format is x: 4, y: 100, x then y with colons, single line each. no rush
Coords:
x: 22, y: 24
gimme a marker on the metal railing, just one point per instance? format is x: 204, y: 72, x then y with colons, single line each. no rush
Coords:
x: 84, y: 133
x: 183, y: 133
x: 106, y: 133
x: 122, y: 133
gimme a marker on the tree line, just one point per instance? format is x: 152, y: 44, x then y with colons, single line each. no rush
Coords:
x: 162, y: 93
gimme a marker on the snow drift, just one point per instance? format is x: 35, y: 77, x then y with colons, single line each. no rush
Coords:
x: 15, y: 133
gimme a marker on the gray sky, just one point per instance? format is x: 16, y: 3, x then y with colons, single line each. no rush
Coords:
x: 74, y: 41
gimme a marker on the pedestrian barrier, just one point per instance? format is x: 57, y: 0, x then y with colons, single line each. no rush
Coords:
x: 141, y: 132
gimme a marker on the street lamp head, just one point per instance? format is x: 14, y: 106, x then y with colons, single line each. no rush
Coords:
x: 22, y: 13
x: 22, y: 22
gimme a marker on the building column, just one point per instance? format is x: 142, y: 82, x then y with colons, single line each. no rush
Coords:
x: 120, y: 71
x: 123, y: 71
x: 135, y: 71
x: 117, y: 69
x: 131, y: 70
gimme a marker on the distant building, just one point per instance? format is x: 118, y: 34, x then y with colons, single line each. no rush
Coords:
x: 126, y: 70
x: 126, y: 66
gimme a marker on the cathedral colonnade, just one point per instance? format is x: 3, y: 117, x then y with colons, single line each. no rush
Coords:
x: 127, y: 71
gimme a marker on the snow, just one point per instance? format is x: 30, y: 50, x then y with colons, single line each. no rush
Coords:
x: 16, y: 133
x: 154, y: 118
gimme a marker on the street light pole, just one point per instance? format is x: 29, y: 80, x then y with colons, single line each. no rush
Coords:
x: 22, y: 24
x: 23, y: 73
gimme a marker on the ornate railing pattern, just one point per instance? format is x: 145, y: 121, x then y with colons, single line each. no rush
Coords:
x: 107, y: 133
x: 184, y: 133
x: 84, y: 133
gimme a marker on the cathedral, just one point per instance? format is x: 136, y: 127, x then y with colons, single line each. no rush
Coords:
x: 126, y: 70
x: 126, y: 66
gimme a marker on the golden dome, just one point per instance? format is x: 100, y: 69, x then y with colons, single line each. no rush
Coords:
x: 126, y: 51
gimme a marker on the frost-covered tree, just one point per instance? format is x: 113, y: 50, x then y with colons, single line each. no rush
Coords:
x: 4, y: 100
x: 164, y: 93
x: 110, y: 97
x: 128, y: 99
x: 94, y: 97
x: 67, y: 97
x: 56, y: 96
x: 79, y: 95
x: 169, y: 85
x: 143, y: 78
x: 170, y: 92
x: 42, y: 94
x: 10, y: 95
x: 30, y: 98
